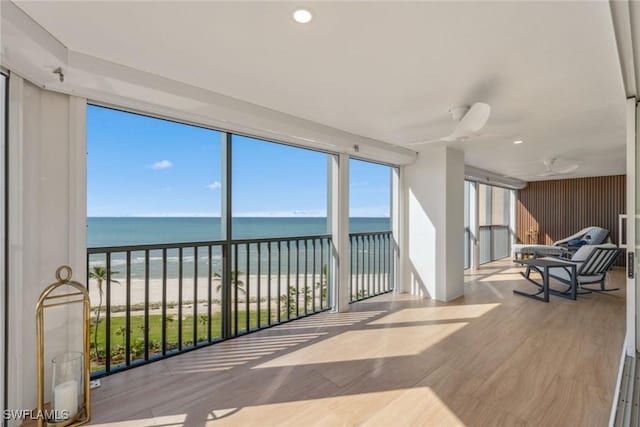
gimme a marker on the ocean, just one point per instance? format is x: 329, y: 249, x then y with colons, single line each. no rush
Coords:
x: 125, y: 231
x: 122, y: 231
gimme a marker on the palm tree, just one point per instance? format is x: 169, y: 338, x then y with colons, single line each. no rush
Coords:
x: 121, y: 331
x: 322, y: 287
x: 234, y: 279
x: 99, y: 273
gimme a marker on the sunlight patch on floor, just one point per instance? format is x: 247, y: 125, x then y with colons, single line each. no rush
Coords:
x: 503, y: 277
x: 415, y: 404
x: 164, y: 421
x: 368, y: 344
x: 331, y: 320
x: 233, y: 353
x: 427, y: 314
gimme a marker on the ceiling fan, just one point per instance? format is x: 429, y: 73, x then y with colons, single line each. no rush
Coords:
x: 552, y: 170
x: 471, y: 119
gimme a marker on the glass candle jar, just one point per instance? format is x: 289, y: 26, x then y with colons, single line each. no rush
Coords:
x: 67, y: 385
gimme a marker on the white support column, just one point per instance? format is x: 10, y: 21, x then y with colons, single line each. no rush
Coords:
x: 434, y: 196
x: 338, y: 223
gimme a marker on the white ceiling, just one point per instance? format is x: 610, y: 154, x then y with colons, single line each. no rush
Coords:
x: 387, y: 70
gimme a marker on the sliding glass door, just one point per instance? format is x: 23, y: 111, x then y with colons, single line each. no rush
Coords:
x: 467, y: 224
x: 370, y: 235
x: 494, y: 217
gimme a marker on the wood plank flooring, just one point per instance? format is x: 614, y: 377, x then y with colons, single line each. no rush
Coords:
x: 487, y: 359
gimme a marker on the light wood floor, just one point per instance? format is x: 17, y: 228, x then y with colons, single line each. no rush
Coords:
x: 489, y: 358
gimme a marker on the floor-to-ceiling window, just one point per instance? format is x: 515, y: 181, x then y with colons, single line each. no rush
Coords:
x: 467, y: 224
x: 487, y: 208
x: 278, y: 190
x: 494, y: 207
x: 370, y: 238
x: 154, y: 198
x: 280, y: 213
x: 196, y: 235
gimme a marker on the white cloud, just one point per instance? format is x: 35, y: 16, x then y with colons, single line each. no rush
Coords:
x: 162, y: 164
x: 214, y: 185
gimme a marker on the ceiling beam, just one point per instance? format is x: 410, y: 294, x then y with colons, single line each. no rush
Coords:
x: 491, y: 178
x: 621, y: 16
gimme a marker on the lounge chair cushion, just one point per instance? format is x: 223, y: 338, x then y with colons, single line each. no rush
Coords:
x: 597, y: 235
x: 584, y: 252
x: 563, y: 274
x: 576, y: 243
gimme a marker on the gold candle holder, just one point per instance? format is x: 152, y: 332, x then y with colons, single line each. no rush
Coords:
x: 67, y: 392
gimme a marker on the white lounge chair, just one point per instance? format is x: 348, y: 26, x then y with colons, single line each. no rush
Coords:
x: 590, y: 235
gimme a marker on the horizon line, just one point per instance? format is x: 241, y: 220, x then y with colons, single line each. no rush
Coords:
x: 235, y: 217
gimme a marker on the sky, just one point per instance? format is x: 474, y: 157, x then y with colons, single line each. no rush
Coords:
x: 141, y: 166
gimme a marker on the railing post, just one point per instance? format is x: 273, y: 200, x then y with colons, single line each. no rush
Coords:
x: 226, y: 223
x: 107, y: 318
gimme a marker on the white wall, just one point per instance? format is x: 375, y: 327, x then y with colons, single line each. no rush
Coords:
x: 46, y: 222
x: 433, y: 255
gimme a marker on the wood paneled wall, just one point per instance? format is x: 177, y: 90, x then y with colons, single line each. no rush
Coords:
x: 560, y: 208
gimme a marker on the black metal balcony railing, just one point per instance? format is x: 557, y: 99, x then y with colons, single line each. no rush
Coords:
x: 372, y: 264
x: 155, y: 301
x: 159, y: 300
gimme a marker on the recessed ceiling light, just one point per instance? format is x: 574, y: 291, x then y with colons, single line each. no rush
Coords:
x: 518, y: 142
x: 302, y: 16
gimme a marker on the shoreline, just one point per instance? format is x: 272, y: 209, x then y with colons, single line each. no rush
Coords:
x: 118, y: 291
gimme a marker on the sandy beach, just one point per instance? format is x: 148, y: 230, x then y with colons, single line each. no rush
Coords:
x: 190, y: 292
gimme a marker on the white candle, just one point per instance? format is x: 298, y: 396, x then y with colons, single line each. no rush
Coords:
x: 65, y: 398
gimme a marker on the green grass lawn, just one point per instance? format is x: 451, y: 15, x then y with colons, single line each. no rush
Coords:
x: 118, y: 335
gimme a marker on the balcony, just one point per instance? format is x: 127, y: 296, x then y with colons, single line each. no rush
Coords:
x: 155, y: 301
x: 487, y: 358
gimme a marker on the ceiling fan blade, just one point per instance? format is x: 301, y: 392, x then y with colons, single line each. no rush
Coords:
x: 427, y: 142
x: 567, y: 169
x: 472, y: 122
x: 558, y: 172
x: 491, y: 135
